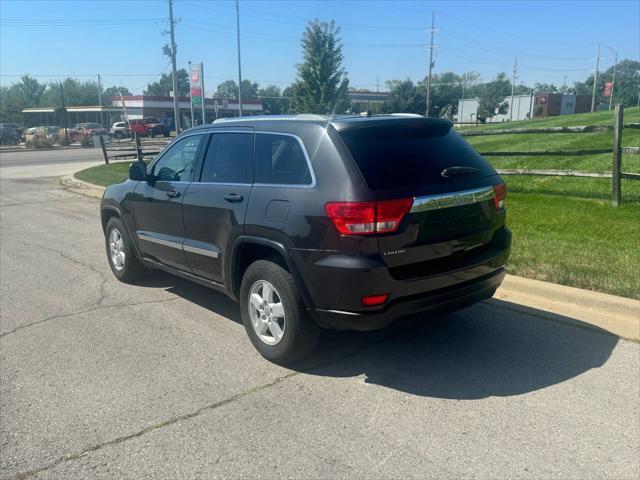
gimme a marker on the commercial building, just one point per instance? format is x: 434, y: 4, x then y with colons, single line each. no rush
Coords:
x: 363, y: 100
x: 541, y: 104
x: 142, y: 106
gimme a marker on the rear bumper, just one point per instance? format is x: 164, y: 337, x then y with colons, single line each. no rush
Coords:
x: 336, y: 283
x: 446, y: 299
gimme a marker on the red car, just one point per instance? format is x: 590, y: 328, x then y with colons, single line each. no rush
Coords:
x: 149, y: 127
x: 80, y: 130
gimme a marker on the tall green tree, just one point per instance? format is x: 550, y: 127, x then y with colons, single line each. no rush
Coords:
x: 76, y: 92
x: 492, y: 98
x: 229, y: 89
x: 322, y: 82
x: 27, y: 92
x: 164, y: 85
x: 114, y: 91
x: 272, y: 101
x: 404, y: 97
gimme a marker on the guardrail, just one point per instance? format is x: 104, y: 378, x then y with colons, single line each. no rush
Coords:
x: 616, y: 173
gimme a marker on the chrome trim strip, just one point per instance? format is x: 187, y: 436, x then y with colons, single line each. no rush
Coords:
x: 159, y: 241
x: 339, y: 312
x: 453, y: 199
x: 306, y: 156
x: 200, y: 251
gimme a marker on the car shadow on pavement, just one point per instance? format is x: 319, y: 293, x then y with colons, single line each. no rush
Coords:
x: 494, y: 348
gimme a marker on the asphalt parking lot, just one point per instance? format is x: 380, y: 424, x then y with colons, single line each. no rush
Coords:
x: 100, y: 379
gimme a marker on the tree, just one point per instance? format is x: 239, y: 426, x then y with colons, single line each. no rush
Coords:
x: 272, y: 101
x: 229, y: 89
x: 322, y: 82
x: 545, y: 87
x: 27, y: 92
x: 165, y: 85
x: 404, y: 97
x: 492, y: 98
x: 114, y: 91
x: 76, y: 93
x: 626, y: 86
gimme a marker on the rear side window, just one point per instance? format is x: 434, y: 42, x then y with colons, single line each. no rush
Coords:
x: 228, y: 158
x: 395, y: 157
x: 280, y: 160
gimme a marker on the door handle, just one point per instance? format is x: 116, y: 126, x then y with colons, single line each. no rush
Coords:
x: 173, y: 194
x: 233, y: 197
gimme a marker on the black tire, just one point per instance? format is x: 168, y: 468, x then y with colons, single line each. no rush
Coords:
x: 132, y: 269
x: 300, y: 331
x: 119, y: 135
x: 150, y: 133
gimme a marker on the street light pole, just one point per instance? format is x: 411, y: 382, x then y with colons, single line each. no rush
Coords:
x: 613, y: 82
x: 595, y: 80
x: 433, y: 22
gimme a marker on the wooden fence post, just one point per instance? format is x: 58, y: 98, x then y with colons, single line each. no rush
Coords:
x: 104, y: 151
x: 617, y: 154
x: 139, y: 150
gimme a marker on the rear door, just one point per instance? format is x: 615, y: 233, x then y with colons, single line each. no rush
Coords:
x: 453, y: 217
x: 215, y: 204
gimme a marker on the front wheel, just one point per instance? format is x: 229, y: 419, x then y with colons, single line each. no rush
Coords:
x: 122, y: 258
x: 273, y: 314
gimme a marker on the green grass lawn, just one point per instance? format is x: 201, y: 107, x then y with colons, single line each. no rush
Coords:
x: 565, y: 230
x: 105, y: 175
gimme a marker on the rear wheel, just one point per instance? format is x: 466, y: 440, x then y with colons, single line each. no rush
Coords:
x: 122, y: 258
x: 150, y: 133
x: 273, y: 314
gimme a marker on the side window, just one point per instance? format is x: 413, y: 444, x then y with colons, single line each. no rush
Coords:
x: 176, y: 164
x: 228, y: 158
x: 280, y: 160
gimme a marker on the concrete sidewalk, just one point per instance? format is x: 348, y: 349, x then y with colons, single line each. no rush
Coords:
x: 618, y: 315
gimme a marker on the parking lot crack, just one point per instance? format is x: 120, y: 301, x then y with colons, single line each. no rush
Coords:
x: 85, y: 310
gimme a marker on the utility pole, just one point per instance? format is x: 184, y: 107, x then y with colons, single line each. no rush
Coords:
x: 595, y: 80
x: 613, y: 81
x: 377, y: 83
x: 239, y: 63
x: 64, y: 112
x: 564, y: 84
x: 432, y: 31
x: 190, y: 98
x: 513, y: 86
x: 460, y: 113
x: 100, y: 98
x: 174, y: 74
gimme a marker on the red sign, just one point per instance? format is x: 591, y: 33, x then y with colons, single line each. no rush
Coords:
x: 608, y: 86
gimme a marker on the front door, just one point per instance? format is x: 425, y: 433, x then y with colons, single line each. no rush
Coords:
x: 215, y: 203
x: 157, y: 204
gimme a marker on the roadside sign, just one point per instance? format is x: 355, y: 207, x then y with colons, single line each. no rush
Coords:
x: 196, y: 87
x: 608, y: 86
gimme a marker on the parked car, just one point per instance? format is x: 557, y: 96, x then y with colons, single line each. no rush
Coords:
x: 9, y: 135
x: 120, y: 130
x: 42, y: 137
x: 19, y: 130
x: 311, y: 222
x: 149, y: 127
x: 88, y: 129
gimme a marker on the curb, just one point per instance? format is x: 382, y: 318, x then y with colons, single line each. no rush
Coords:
x: 617, y: 315
x: 71, y: 183
x: 25, y: 149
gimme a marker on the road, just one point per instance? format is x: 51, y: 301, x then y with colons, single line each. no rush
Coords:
x: 102, y: 380
x: 37, y: 163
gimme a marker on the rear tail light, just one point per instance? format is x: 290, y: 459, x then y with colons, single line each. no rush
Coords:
x: 363, y: 218
x: 374, y: 300
x: 500, y: 191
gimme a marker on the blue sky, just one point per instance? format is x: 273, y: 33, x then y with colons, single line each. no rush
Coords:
x: 383, y: 40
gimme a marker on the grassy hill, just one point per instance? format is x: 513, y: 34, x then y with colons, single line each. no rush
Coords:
x: 565, y: 229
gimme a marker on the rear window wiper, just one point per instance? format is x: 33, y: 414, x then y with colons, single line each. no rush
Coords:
x: 458, y: 170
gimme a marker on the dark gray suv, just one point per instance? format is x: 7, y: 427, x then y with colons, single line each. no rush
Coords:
x: 313, y: 222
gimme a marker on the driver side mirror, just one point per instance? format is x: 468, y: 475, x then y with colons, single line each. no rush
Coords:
x: 138, y: 171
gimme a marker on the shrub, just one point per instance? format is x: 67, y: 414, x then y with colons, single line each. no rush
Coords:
x: 62, y: 140
x: 85, y: 141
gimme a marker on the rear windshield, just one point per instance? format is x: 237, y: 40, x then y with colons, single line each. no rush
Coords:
x: 393, y: 157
